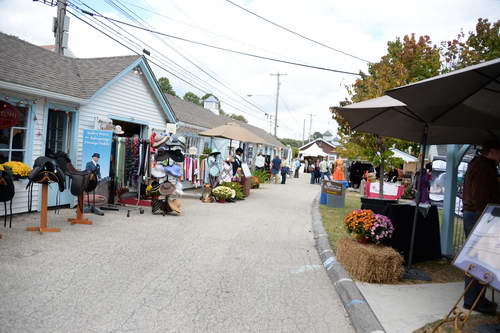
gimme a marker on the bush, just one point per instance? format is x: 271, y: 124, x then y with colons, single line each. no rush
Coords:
x: 237, y: 187
x: 255, y: 182
x: 222, y: 192
x: 262, y: 175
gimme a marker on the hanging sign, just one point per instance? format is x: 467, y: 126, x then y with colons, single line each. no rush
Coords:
x: 97, y: 143
x: 9, y: 115
x: 480, y: 255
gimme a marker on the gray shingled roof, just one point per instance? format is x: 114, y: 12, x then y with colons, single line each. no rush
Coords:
x: 33, y: 66
x: 196, y: 115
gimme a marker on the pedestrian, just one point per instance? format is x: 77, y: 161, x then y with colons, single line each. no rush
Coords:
x: 297, y: 168
x: 317, y: 173
x: 481, y: 187
x: 323, y: 169
x: 284, y: 171
x: 275, y: 168
x: 237, y: 160
x: 260, y: 162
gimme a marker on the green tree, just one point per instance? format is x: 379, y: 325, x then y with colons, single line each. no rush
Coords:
x: 408, y: 60
x: 238, y: 117
x: 193, y: 98
x: 166, y: 87
x: 292, y: 142
x: 317, y: 135
x: 480, y: 45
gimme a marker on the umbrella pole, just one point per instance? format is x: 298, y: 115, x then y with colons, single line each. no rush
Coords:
x: 415, y: 273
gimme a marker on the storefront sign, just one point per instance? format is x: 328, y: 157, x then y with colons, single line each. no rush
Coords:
x: 480, y: 255
x: 98, y: 142
x: 9, y: 115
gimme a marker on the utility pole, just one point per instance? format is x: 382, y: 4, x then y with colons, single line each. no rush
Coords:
x: 310, y: 124
x: 277, y: 99
x: 61, y: 27
x: 303, y: 132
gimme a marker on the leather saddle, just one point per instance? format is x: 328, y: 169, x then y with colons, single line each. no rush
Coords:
x: 7, y: 191
x: 45, y: 170
x: 81, y: 181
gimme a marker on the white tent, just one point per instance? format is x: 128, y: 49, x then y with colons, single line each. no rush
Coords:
x: 313, y: 150
x: 404, y: 156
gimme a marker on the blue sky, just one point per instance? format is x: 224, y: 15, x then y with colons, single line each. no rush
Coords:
x: 358, y: 27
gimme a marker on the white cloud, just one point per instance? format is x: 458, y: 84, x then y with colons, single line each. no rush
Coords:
x: 358, y: 27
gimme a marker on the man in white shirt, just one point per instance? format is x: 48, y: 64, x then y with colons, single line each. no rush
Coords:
x: 260, y: 162
x: 323, y: 168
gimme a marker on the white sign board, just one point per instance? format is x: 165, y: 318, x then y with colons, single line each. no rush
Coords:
x: 389, y: 188
x: 480, y: 255
x: 246, y: 170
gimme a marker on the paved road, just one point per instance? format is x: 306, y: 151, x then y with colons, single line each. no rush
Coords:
x: 244, y: 267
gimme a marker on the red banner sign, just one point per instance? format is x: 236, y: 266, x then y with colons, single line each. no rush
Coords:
x: 9, y: 115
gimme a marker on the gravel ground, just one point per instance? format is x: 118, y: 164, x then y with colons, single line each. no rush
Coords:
x: 250, y: 266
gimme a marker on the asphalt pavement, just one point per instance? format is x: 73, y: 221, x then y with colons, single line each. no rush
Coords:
x: 249, y: 266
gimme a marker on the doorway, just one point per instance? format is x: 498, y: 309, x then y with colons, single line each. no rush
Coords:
x: 60, y: 126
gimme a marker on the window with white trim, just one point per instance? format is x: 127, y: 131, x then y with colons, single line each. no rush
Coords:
x: 13, y: 139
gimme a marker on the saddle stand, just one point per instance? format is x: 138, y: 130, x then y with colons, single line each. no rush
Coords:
x: 80, y: 218
x: 43, y: 215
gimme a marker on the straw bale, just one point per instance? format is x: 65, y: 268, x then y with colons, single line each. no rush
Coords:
x: 370, y: 262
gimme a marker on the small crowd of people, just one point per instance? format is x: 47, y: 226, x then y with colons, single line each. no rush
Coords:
x: 278, y: 168
x: 323, y: 169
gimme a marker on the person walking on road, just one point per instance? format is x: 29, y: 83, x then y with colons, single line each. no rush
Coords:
x: 275, y: 168
x: 323, y: 168
x: 297, y: 165
x: 481, y: 187
x: 284, y: 171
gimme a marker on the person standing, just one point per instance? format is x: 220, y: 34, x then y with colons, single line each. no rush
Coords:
x: 297, y: 165
x: 260, y: 162
x: 284, y: 171
x: 237, y: 160
x: 93, y: 165
x: 481, y: 187
x: 323, y: 169
x: 275, y: 168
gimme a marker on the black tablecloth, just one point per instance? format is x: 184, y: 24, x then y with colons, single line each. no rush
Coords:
x: 378, y: 206
x: 427, y: 238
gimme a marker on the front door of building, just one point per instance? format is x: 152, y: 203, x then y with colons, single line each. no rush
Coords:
x: 59, y: 134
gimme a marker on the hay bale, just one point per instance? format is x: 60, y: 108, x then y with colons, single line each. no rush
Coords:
x: 370, y: 262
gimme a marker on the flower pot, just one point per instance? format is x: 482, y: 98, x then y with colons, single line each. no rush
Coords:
x: 361, y: 239
x: 221, y: 200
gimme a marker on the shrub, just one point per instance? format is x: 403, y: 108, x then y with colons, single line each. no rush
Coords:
x: 262, y: 175
x: 237, y: 187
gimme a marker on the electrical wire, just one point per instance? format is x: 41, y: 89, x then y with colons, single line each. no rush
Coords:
x: 203, y: 90
x: 183, y: 56
x: 296, y: 33
x: 220, y: 48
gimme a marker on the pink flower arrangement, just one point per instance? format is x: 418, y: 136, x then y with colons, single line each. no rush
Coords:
x: 381, y: 230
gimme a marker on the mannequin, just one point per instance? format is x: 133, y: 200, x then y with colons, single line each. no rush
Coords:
x: 338, y: 174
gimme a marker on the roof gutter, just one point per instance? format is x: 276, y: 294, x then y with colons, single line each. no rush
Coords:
x: 42, y: 93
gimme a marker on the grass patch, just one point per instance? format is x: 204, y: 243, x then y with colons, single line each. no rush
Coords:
x: 440, y: 271
x: 333, y: 218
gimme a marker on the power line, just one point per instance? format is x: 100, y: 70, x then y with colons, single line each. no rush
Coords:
x: 296, y: 33
x: 218, y: 47
x: 203, y: 90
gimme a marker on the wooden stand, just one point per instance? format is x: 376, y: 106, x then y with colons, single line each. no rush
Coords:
x: 43, y: 215
x: 80, y: 219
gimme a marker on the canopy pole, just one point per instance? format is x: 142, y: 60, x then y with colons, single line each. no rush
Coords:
x: 409, y: 272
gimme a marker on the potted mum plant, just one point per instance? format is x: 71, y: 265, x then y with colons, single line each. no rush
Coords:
x: 368, y: 227
x: 222, y: 193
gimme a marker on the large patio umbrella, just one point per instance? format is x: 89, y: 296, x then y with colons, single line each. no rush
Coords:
x: 469, y: 97
x: 458, y: 107
x: 233, y: 131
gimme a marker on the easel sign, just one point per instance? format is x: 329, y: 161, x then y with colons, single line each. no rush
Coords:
x: 246, y: 170
x: 480, y: 255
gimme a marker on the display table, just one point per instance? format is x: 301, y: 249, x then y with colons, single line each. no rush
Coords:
x: 378, y: 206
x: 427, y: 237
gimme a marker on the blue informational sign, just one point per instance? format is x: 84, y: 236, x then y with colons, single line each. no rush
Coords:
x: 97, y: 142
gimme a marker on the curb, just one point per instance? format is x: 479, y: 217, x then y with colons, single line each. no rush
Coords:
x: 361, y: 315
